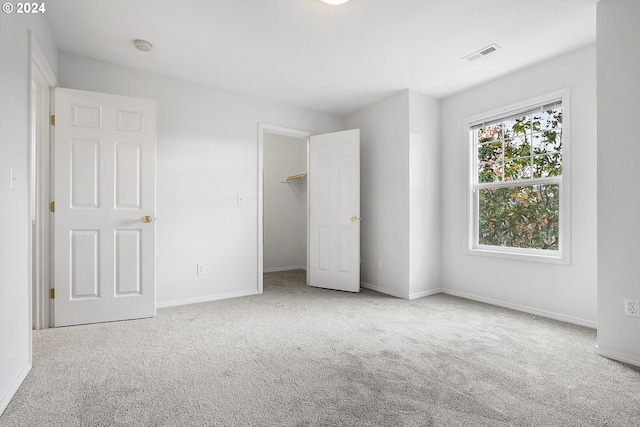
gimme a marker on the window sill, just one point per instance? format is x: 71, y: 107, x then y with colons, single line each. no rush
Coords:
x: 495, y: 252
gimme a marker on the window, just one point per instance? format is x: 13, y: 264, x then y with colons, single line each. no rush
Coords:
x: 519, y: 170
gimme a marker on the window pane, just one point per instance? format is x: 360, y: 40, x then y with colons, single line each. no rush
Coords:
x: 490, y: 133
x: 549, y: 165
x: 517, y: 146
x: 490, y: 172
x: 547, y: 142
x: 519, y: 126
x: 548, y: 120
x: 490, y: 152
x: 517, y: 169
x: 519, y: 217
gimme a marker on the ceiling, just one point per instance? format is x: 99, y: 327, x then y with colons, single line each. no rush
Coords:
x: 334, y: 59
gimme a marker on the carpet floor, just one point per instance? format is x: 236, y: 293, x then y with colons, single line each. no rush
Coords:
x: 301, y: 356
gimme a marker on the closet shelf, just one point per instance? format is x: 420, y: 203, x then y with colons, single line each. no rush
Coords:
x: 296, y: 176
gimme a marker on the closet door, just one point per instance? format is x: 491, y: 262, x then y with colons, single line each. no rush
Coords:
x: 334, y: 211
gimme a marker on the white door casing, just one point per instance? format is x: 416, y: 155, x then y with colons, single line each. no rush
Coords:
x: 104, y: 187
x: 334, y: 210
x: 41, y: 85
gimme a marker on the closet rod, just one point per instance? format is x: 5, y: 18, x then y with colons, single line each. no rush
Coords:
x: 296, y: 176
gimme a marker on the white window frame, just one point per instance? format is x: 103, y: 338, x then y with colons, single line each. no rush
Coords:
x: 562, y: 255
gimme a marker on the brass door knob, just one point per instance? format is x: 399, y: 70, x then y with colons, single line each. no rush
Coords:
x: 354, y: 218
x: 147, y: 219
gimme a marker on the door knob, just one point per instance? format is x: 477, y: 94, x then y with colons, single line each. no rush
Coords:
x: 147, y: 219
x: 354, y: 218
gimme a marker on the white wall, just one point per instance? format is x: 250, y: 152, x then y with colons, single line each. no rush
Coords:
x: 399, y: 194
x: 566, y: 292
x: 285, y: 203
x: 424, y: 195
x: 15, y: 322
x: 618, y: 69
x: 384, y: 193
x: 206, y: 155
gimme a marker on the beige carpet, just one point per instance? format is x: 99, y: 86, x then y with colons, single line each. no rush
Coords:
x: 299, y: 356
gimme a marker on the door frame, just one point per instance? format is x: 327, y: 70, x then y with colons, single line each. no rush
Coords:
x: 39, y: 158
x: 279, y: 130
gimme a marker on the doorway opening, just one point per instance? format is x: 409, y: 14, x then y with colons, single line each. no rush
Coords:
x: 283, y: 202
x: 332, y: 207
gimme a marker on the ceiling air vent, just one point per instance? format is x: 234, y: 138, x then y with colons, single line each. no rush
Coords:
x: 482, y: 52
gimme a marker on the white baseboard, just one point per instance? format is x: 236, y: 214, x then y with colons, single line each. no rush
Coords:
x: 207, y: 298
x: 518, y: 307
x: 295, y: 267
x: 381, y: 290
x: 425, y: 293
x: 620, y: 357
x: 8, y: 395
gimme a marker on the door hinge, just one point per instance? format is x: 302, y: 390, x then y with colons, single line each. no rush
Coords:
x: 53, y: 120
x: 52, y: 206
x: 52, y: 293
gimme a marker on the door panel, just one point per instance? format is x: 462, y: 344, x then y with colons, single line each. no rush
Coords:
x: 104, y: 184
x: 84, y: 173
x: 127, y: 265
x: 85, y: 256
x: 334, y: 211
x: 128, y: 175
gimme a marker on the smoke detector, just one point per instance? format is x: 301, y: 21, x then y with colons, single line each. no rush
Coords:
x: 142, y: 45
x: 482, y: 52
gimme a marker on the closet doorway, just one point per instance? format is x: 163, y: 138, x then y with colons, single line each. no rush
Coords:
x: 284, y: 156
x: 324, y: 209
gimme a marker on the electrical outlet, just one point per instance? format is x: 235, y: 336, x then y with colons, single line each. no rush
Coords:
x: 631, y: 307
x: 201, y: 269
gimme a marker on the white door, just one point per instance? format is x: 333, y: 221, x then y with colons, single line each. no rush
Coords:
x: 104, y: 193
x: 334, y: 210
